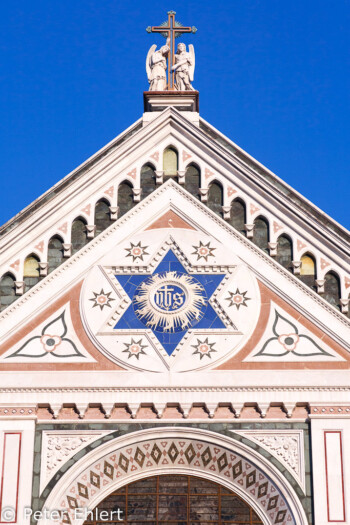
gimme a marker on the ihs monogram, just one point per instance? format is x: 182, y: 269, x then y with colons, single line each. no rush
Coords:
x: 203, y: 251
x: 136, y: 251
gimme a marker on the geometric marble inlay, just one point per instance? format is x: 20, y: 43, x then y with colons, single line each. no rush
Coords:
x: 178, y: 453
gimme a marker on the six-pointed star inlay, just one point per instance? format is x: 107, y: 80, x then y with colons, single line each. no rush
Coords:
x: 170, y: 301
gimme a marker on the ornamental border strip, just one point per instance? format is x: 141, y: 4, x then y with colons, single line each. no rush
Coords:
x: 203, y: 389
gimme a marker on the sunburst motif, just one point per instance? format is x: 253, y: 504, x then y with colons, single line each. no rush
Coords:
x: 170, y: 302
x: 204, y: 348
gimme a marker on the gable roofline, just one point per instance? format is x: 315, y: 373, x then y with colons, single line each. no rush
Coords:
x: 229, y: 153
x: 70, y: 177
x: 74, y: 269
x: 280, y: 185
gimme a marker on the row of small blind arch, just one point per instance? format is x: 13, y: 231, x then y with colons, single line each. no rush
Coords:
x: 102, y: 219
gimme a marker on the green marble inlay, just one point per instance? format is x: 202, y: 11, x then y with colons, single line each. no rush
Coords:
x: 120, y: 429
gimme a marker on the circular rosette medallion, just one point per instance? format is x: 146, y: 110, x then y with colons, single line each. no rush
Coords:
x: 170, y: 302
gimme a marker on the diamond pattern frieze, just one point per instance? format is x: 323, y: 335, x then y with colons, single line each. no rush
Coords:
x: 180, y: 453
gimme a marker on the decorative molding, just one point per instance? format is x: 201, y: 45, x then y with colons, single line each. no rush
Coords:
x: 43, y: 268
x: 8, y: 411
x: 203, y: 389
x: 249, y: 228
x: 285, y: 445
x: 176, y: 454
x: 19, y: 287
x: 91, y: 229
x: 330, y: 410
x: 273, y: 248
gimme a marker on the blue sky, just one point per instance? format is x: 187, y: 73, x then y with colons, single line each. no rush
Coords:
x: 272, y: 75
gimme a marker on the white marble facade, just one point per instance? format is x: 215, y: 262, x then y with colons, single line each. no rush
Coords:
x: 170, y: 313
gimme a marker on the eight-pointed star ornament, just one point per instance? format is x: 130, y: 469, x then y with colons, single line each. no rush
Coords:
x: 102, y: 299
x: 135, y: 348
x: 204, y: 348
x: 238, y: 298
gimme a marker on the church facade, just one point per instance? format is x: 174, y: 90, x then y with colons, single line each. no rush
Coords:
x: 174, y: 340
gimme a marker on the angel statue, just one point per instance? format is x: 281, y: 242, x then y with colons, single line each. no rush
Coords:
x: 156, y: 67
x: 184, y: 67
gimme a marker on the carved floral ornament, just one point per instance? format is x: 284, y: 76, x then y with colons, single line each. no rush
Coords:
x: 59, y: 446
x: 285, y: 445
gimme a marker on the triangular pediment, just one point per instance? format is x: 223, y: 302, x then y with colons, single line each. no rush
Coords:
x: 169, y: 288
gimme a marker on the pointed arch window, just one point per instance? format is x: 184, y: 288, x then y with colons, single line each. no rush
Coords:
x: 7, y: 291
x: 31, y: 272
x: 261, y: 234
x: 332, y: 289
x: 215, y: 197
x: 79, y: 235
x: 148, y: 180
x: 170, y: 162
x: 308, y: 271
x: 102, y: 216
x: 238, y: 215
x: 193, y: 180
x: 125, y: 198
x: 285, y: 252
x: 54, y: 253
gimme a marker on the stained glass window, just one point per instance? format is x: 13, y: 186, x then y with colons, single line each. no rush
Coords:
x: 176, y: 500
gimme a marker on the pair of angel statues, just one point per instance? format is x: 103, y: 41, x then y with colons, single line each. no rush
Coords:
x: 156, y: 66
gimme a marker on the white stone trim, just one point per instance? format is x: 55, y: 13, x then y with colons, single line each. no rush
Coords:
x: 54, y: 499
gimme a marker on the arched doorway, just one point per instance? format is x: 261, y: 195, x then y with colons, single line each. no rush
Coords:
x: 174, y: 500
x: 148, y: 453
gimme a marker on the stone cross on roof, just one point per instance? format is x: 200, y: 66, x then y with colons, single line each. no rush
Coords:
x: 170, y: 30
